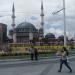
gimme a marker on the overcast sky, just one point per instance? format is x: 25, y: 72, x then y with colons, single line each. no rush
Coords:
x: 29, y: 10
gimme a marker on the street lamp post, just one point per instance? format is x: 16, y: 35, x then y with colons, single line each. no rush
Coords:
x: 64, y: 21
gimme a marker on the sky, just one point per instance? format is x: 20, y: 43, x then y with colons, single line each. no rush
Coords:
x: 29, y: 11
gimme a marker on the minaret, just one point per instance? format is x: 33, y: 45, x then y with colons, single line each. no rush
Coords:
x: 41, y: 30
x: 13, y: 24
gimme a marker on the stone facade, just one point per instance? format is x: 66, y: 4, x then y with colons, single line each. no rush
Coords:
x: 3, y: 33
x: 23, y: 31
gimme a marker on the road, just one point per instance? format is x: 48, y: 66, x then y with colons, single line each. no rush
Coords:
x: 34, y: 68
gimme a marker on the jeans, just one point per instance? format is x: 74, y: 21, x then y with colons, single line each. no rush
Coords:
x: 66, y: 64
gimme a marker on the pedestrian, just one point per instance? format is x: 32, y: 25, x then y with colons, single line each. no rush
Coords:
x: 36, y: 53
x: 63, y: 60
x: 31, y: 49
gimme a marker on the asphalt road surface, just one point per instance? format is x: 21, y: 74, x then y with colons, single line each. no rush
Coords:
x: 35, y: 68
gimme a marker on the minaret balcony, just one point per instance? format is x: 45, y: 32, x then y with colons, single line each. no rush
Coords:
x: 13, y: 25
x: 42, y: 23
x: 42, y: 14
x: 13, y: 16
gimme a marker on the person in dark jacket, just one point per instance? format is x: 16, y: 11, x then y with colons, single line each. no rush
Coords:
x: 31, y: 49
x: 36, y: 53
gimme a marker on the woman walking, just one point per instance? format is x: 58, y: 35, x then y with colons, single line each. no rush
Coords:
x: 64, y: 53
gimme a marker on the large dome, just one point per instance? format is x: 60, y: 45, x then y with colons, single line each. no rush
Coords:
x: 26, y: 27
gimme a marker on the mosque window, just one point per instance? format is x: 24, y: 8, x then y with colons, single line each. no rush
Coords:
x: 23, y: 29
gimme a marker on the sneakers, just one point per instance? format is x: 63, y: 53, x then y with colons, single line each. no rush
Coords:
x: 70, y: 71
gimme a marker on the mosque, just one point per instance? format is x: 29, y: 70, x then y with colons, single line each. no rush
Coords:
x: 25, y: 31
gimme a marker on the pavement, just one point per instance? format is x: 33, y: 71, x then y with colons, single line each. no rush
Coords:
x: 40, y: 67
x: 28, y: 61
x: 36, y: 69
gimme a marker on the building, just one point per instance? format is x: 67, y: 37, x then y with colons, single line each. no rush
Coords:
x: 25, y: 32
x: 25, y: 29
x: 3, y: 33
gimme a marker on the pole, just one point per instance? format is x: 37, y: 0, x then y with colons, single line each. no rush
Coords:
x: 64, y: 19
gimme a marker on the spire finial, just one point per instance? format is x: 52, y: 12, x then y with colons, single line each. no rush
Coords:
x: 13, y: 8
x: 41, y: 4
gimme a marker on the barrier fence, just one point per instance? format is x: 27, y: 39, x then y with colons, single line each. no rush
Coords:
x: 22, y: 51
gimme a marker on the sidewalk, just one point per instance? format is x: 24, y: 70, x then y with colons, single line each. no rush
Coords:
x: 65, y: 71
x: 36, y: 69
x: 29, y: 62
x: 42, y: 58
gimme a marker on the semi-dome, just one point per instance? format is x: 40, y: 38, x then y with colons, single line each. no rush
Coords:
x: 26, y: 27
x: 50, y: 35
x: 61, y: 37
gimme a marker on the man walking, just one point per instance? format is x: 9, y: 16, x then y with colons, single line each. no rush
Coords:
x: 31, y: 52
x: 36, y: 54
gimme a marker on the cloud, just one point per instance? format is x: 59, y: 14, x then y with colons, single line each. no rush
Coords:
x: 29, y: 10
x: 57, y: 32
x: 34, y: 18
